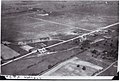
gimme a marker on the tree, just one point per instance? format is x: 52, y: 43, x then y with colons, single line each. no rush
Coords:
x: 78, y: 65
x: 76, y: 42
x: 86, y: 43
x: 83, y: 68
x: 94, y: 51
x: 49, y: 66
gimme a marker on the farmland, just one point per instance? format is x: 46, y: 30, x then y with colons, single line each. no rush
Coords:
x: 27, y: 22
x: 29, y: 25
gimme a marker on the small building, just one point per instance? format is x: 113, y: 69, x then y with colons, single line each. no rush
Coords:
x: 44, y: 39
x: 33, y: 49
x: 6, y: 42
x: 21, y: 43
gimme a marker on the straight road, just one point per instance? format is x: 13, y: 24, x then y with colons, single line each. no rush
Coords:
x: 83, y: 35
x: 61, y: 43
x: 18, y: 58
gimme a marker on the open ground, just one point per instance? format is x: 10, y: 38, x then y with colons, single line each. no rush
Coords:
x: 65, y: 22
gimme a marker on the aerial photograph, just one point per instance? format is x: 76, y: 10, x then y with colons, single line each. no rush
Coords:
x: 59, y: 37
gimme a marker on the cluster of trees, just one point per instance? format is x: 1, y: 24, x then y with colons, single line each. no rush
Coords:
x: 106, y: 54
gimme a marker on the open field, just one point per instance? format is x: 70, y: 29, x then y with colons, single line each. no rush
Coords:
x: 39, y: 65
x: 74, y: 67
x: 66, y: 22
x: 26, y: 28
x: 8, y: 53
x: 30, y: 25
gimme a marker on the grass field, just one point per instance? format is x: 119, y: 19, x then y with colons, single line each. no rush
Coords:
x: 8, y: 53
x: 66, y: 20
x: 73, y: 67
x: 74, y: 15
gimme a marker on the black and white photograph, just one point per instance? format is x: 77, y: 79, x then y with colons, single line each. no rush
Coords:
x: 59, y: 39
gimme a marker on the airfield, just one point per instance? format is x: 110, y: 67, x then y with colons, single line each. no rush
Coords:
x: 66, y: 38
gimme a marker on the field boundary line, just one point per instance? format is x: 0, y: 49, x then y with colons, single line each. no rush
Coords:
x: 105, y: 68
x: 83, y: 35
x: 17, y: 58
x: 58, y: 23
x: 62, y: 42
